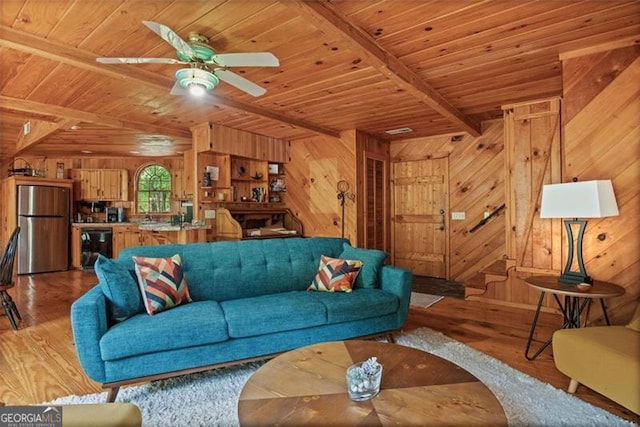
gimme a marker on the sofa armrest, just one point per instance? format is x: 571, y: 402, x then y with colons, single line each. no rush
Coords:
x: 89, y: 324
x: 398, y: 281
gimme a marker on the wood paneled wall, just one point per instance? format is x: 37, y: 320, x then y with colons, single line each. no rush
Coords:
x: 600, y: 140
x: 315, y: 167
x: 601, y: 118
x: 476, y: 186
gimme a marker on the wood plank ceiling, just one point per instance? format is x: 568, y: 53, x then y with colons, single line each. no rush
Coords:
x: 434, y: 66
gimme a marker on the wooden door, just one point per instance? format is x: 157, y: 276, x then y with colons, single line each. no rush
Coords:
x: 420, y: 205
x: 532, y: 159
x: 376, y: 199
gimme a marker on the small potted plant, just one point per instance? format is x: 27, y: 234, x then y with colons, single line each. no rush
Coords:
x: 363, y: 379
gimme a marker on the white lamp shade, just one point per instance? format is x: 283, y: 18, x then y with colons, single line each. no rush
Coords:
x: 584, y: 199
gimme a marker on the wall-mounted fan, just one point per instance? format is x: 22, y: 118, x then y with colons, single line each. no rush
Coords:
x: 206, y: 67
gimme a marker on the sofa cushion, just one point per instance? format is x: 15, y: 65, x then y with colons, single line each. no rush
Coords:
x: 335, y: 275
x: 267, y: 314
x: 188, y: 325
x: 224, y: 271
x: 372, y: 260
x: 119, y: 286
x: 357, y: 305
x: 162, y: 282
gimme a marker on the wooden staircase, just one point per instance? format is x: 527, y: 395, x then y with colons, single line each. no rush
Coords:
x: 497, y: 271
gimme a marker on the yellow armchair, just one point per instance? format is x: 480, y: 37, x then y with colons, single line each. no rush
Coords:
x: 604, y: 358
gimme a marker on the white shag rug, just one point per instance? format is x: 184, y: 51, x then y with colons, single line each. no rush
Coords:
x: 210, y: 398
x: 424, y: 300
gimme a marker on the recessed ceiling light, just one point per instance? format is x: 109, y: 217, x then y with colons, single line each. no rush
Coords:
x: 398, y: 131
x: 74, y: 127
x: 87, y: 151
x: 134, y: 152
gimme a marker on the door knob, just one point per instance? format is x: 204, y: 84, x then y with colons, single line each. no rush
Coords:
x: 441, y: 211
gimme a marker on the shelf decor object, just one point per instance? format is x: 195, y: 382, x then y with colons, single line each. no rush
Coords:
x: 585, y: 199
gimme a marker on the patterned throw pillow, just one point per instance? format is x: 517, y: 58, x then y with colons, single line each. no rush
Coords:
x: 162, y: 282
x: 335, y: 275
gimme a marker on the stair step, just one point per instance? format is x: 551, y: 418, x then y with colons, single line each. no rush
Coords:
x: 498, y: 268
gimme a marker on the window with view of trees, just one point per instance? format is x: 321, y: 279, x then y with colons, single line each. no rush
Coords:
x: 154, y: 189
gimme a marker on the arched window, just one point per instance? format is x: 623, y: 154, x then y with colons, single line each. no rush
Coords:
x: 154, y: 189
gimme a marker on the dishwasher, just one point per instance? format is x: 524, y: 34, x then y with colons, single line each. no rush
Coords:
x: 95, y: 241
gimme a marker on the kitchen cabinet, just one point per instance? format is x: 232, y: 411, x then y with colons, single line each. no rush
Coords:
x: 126, y: 237
x: 177, y: 186
x: 122, y: 236
x: 188, y: 174
x: 101, y: 184
x: 182, y: 184
x: 166, y: 237
x: 131, y: 235
x: 76, y: 248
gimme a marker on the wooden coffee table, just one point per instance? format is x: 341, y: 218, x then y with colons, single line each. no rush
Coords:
x: 307, y: 386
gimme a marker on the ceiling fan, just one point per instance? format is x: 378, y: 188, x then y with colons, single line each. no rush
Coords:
x: 206, y: 67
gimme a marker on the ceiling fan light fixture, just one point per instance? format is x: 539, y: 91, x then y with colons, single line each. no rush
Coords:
x: 196, y: 81
x: 196, y: 89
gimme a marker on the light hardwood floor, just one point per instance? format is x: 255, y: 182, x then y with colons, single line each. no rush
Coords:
x: 38, y: 362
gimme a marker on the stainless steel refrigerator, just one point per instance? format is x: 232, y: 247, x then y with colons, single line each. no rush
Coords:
x: 43, y: 217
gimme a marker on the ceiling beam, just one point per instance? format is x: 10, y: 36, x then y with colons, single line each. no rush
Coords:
x: 59, y: 52
x: 39, y: 130
x: 325, y: 17
x: 27, y: 106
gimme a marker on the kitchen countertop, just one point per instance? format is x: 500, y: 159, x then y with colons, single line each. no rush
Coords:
x: 101, y: 224
x: 159, y: 226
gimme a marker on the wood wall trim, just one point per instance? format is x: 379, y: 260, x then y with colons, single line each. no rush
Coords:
x: 603, y: 47
x: 329, y: 20
x: 533, y: 101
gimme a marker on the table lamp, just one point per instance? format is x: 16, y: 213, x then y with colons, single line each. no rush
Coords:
x: 585, y: 199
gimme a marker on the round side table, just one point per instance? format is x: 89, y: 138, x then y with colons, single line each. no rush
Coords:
x: 572, y: 307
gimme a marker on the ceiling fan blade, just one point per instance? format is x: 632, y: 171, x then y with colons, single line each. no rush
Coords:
x: 138, y: 61
x: 178, y: 90
x: 170, y: 37
x: 239, y: 82
x: 256, y: 59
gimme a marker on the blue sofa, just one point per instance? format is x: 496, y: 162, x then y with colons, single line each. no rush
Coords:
x: 250, y: 301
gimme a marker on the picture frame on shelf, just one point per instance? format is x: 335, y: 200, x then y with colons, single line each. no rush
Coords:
x: 277, y: 184
x: 214, y: 172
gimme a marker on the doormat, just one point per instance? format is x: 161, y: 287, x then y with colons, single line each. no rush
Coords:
x: 424, y: 300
